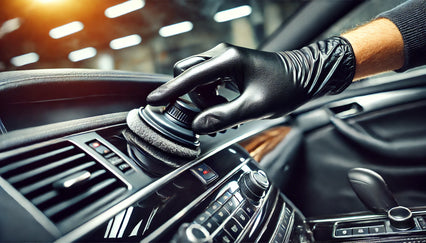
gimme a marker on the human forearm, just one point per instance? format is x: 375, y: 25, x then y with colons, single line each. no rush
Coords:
x: 378, y: 47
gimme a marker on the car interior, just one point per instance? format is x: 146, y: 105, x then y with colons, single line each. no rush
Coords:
x: 341, y: 168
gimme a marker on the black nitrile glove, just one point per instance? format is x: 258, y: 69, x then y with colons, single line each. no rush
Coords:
x: 270, y: 84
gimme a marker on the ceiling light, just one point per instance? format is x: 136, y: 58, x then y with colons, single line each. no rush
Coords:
x: 176, y: 29
x: 82, y: 54
x: 9, y: 26
x: 66, y: 29
x: 127, y: 41
x: 25, y: 59
x: 124, y: 8
x: 233, y: 13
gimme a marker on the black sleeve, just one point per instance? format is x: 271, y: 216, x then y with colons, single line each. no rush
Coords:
x: 410, y: 18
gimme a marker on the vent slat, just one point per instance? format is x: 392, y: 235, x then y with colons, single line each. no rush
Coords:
x: 34, y: 159
x: 69, y: 203
x: 45, y: 197
x: 36, y: 186
x: 45, y: 168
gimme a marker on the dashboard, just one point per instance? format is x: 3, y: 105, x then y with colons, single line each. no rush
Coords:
x: 73, y: 177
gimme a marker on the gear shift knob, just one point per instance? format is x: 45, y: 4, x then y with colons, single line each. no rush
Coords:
x: 372, y: 190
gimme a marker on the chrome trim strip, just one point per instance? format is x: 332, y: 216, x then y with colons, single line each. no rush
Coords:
x: 270, y: 215
x: 289, y: 229
x: 346, y: 218
x: 358, y: 217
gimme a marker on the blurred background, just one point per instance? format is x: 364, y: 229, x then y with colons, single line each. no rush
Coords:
x: 135, y: 35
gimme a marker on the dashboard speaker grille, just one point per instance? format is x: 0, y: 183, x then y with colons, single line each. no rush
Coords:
x: 62, y: 181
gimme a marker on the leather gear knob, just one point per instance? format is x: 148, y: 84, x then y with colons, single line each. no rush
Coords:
x: 270, y: 84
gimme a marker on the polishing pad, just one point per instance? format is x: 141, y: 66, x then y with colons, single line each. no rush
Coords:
x: 160, y: 142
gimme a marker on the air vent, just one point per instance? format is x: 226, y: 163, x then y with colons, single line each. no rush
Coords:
x: 64, y: 182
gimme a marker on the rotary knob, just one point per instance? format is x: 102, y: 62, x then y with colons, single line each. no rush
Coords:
x: 183, y: 112
x: 401, y: 218
x: 253, y: 185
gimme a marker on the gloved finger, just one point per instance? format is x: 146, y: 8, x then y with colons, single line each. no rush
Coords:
x: 204, y: 73
x: 224, y: 116
x: 186, y: 63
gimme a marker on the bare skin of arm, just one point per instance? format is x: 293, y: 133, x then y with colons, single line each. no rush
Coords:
x: 378, y: 47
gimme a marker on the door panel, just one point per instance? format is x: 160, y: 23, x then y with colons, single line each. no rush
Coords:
x: 384, y: 131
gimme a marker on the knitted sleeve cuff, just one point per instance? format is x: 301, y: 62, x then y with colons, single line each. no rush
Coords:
x: 410, y: 18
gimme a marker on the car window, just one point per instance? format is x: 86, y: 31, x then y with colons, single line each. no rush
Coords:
x: 136, y: 35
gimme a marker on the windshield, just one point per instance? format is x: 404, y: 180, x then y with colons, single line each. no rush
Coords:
x: 134, y: 35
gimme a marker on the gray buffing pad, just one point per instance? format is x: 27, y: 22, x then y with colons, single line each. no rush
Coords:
x: 166, y: 159
x: 157, y: 140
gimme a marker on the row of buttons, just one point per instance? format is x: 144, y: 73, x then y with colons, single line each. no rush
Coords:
x: 112, y: 158
x: 282, y: 226
x: 360, y: 231
x: 230, y: 205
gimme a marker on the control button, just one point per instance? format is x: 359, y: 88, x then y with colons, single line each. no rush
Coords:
x: 210, y: 225
x: 232, y: 189
x: 376, y: 229
x: 249, y: 209
x: 233, y: 228
x: 94, y: 144
x: 238, y: 196
x: 124, y: 167
x: 343, y: 232
x: 98, y: 147
x: 223, y: 237
x: 279, y: 237
x: 115, y: 160
x: 202, y: 218
x: 360, y: 231
x: 213, y: 208
x: 287, y: 214
x: 220, y: 216
x: 422, y: 222
x: 222, y: 199
x: 204, y: 173
x: 231, y: 205
x: 242, y: 217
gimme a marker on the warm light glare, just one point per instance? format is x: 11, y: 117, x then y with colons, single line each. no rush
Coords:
x: 176, y: 29
x: 25, y: 59
x: 82, y: 54
x: 47, y: 1
x: 233, y: 13
x: 66, y: 29
x: 127, y: 41
x: 124, y: 8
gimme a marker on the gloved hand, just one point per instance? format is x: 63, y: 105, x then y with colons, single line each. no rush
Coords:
x: 270, y: 83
